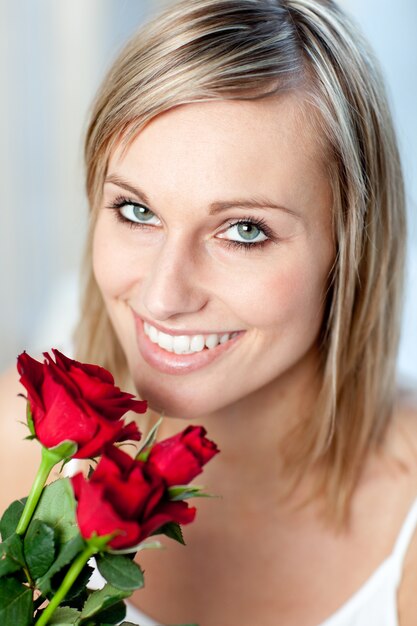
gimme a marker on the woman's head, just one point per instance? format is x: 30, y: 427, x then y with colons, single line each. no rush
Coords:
x: 305, y: 52
x: 219, y: 224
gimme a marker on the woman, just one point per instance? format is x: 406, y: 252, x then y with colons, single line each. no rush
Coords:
x: 245, y: 272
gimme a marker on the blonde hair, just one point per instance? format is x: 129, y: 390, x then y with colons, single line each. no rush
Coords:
x: 199, y: 50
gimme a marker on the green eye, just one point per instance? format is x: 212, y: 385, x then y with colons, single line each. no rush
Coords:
x: 138, y: 213
x: 142, y: 213
x: 245, y: 232
x: 248, y: 231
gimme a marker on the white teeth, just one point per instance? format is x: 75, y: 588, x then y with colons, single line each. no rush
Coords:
x: 181, y: 344
x: 153, y: 334
x: 166, y: 341
x: 197, y: 343
x: 185, y: 344
x: 212, y: 341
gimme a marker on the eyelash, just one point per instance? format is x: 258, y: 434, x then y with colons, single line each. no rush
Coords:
x: 257, y: 245
x: 121, y: 201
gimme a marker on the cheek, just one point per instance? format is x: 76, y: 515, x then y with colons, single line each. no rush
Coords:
x: 114, y: 265
x: 292, y: 292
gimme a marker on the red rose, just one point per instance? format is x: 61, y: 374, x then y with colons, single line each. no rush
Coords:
x: 77, y: 402
x: 126, y: 496
x: 180, y: 458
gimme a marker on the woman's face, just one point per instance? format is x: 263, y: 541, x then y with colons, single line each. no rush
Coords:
x: 212, y: 250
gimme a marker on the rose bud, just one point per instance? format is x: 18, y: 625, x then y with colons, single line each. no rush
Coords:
x: 180, y: 458
x: 126, y: 497
x: 78, y: 402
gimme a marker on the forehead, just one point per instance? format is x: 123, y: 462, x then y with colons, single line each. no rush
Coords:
x: 228, y: 147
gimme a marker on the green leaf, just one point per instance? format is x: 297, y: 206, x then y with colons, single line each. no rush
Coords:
x: 103, y: 599
x: 79, y: 601
x: 64, y: 616
x: 146, y: 447
x: 16, y: 604
x: 184, y: 492
x: 120, y: 571
x: 7, y: 565
x: 11, y: 555
x: 113, y: 615
x: 29, y: 420
x: 64, y: 450
x: 56, y: 508
x: 66, y: 555
x: 11, y: 517
x: 79, y: 585
x: 172, y: 530
x: 39, y: 548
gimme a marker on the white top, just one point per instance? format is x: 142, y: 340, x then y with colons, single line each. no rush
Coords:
x: 374, y: 604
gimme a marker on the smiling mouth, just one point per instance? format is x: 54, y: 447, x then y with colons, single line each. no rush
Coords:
x: 181, y: 352
x: 186, y: 344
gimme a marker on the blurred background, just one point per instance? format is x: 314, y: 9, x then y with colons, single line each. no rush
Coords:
x: 53, y: 54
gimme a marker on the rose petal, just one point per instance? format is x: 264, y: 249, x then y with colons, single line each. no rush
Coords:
x: 178, y: 512
x: 64, y: 419
x: 96, y: 515
x: 72, y: 401
x: 92, y: 370
x: 31, y: 376
x: 203, y: 448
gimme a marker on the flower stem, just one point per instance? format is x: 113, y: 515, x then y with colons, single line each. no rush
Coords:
x: 49, y: 460
x: 67, y: 583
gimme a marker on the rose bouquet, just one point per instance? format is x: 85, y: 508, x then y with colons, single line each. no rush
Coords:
x: 75, y: 411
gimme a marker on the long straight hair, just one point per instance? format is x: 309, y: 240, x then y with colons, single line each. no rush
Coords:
x: 201, y: 50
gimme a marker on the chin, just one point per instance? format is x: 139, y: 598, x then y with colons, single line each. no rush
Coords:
x: 173, y: 405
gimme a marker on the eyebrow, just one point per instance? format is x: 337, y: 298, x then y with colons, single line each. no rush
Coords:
x: 257, y: 202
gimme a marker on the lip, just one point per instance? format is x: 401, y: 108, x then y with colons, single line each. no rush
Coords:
x: 171, y: 363
x: 169, y: 331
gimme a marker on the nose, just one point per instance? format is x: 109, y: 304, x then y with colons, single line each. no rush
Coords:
x: 172, y: 286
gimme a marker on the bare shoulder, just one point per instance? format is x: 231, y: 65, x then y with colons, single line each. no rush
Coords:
x: 407, y: 599
x: 18, y: 456
x: 407, y: 602
x: 405, y: 419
